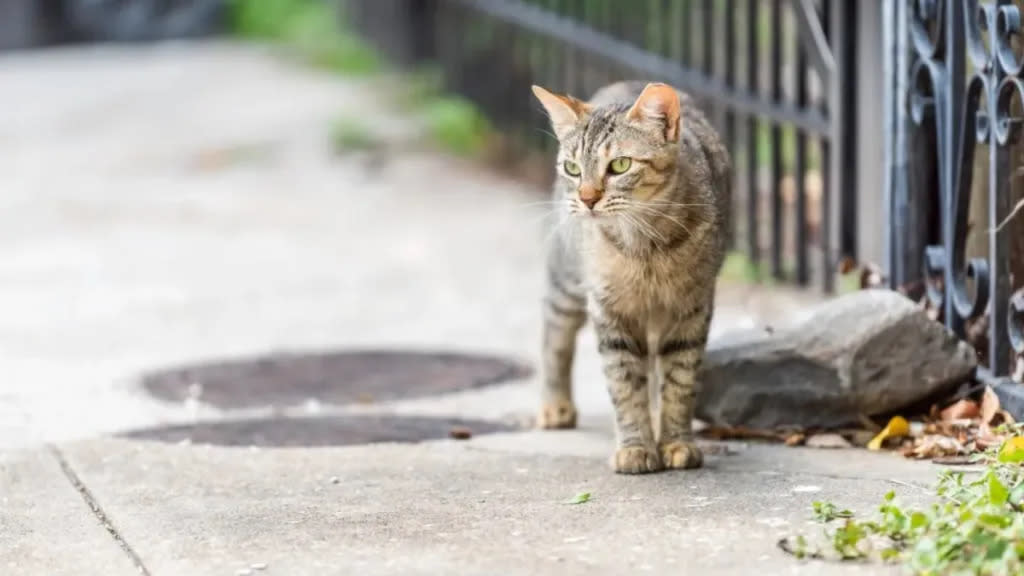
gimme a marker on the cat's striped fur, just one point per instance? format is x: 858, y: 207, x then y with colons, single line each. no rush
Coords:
x: 641, y: 262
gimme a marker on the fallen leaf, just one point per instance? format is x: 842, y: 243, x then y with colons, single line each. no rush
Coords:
x: 460, y: 433
x: 935, y: 446
x: 960, y: 410
x: 987, y: 439
x: 795, y: 439
x: 897, y: 428
x: 1012, y: 451
x: 989, y: 405
x: 579, y: 498
x: 833, y: 441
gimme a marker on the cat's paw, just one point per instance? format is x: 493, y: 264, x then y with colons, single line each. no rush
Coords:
x: 681, y: 455
x: 558, y: 414
x: 636, y: 460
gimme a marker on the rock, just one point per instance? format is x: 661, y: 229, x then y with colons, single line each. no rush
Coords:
x: 867, y: 353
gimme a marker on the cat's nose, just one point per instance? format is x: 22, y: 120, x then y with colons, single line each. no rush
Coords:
x: 589, y: 196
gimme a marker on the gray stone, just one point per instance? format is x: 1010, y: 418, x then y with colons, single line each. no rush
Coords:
x: 865, y: 353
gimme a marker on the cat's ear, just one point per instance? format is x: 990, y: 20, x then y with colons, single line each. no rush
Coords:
x: 658, y: 104
x: 564, y: 111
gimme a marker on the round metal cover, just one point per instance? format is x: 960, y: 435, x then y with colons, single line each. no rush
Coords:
x: 334, y: 378
x: 319, y: 431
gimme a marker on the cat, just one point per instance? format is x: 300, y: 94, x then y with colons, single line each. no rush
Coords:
x: 644, y: 188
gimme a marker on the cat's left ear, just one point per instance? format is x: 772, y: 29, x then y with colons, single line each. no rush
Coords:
x: 564, y: 111
x: 658, y: 105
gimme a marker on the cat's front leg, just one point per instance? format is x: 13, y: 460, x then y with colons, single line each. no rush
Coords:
x: 625, y: 361
x: 679, y: 358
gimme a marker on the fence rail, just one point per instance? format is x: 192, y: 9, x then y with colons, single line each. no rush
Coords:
x: 775, y: 76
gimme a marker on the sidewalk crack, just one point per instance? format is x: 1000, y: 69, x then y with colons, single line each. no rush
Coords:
x: 97, y: 510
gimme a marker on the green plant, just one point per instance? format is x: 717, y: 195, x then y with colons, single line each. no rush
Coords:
x: 739, y: 268
x: 456, y: 125
x: 351, y: 135
x: 976, y: 528
x: 313, y: 28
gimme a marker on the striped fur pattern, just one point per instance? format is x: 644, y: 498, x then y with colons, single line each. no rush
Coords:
x: 637, y: 251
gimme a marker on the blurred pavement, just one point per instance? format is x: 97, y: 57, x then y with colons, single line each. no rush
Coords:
x: 172, y: 204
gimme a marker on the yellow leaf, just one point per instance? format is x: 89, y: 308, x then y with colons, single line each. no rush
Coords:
x: 896, y: 427
x: 1012, y: 451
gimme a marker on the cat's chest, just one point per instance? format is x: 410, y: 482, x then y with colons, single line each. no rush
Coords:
x: 634, y: 287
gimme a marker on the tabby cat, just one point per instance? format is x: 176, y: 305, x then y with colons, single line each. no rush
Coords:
x: 644, y: 186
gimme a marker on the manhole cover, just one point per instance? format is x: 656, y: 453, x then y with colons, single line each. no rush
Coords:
x: 337, y: 378
x: 319, y: 431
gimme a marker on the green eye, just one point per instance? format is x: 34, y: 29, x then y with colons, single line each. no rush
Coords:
x: 620, y: 165
x: 571, y: 168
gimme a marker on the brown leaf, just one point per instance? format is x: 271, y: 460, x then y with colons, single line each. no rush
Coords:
x: 847, y: 265
x: 871, y: 276
x: 989, y: 405
x: 795, y: 439
x: 935, y: 446
x: 987, y: 438
x: 963, y: 409
x: 827, y: 441
x: 460, y: 433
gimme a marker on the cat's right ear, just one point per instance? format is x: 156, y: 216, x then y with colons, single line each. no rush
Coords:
x: 564, y: 111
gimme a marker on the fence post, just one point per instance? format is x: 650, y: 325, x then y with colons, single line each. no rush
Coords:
x: 843, y: 149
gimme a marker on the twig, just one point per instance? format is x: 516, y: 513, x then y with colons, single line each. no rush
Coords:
x: 1017, y: 208
x: 908, y: 485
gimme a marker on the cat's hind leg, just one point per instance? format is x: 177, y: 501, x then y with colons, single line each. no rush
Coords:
x: 564, y: 315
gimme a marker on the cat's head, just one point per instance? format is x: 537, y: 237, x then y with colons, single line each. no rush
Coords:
x: 614, y: 157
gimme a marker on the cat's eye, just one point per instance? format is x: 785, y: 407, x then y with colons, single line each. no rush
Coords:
x: 571, y: 168
x: 620, y: 165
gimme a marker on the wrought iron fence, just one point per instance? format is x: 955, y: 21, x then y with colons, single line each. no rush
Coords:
x: 776, y: 77
x: 954, y: 148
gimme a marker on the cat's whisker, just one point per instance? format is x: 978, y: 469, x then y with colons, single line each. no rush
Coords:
x: 668, y: 217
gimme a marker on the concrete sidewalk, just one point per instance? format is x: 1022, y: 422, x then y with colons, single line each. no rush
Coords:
x: 124, y: 248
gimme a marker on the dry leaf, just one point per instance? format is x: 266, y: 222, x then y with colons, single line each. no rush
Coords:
x: 460, y: 433
x: 827, y: 441
x: 986, y: 438
x: 795, y: 439
x: 897, y: 427
x: 989, y: 405
x: 935, y: 446
x: 964, y: 409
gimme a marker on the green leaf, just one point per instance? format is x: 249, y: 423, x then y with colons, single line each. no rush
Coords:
x: 997, y: 492
x: 580, y: 498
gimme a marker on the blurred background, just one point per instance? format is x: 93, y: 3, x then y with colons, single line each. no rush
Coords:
x: 809, y: 161
x: 837, y: 188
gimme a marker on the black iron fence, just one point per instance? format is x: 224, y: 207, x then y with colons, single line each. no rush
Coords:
x: 776, y: 76
x: 955, y: 114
